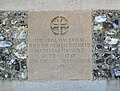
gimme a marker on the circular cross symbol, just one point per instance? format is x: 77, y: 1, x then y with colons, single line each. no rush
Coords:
x: 59, y: 25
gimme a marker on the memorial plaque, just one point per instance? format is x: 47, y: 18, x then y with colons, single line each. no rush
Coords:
x: 59, y: 45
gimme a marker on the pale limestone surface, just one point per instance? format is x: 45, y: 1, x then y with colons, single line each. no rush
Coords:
x: 62, y: 5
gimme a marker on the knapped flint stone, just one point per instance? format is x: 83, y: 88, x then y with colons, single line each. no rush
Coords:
x: 111, y: 41
x: 5, y: 43
x: 20, y: 55
x: 1, y: 68
x: 116, y: 54
x: 110, y: 61
x: 100, y: 19
x: 111, y: 32
x: 18, y: 33
x: 6, y: 51
x: 21, y: 45
x: 116, y: 72
x: 1, y: 37
x: 7, y: 75
x: 98, y: 27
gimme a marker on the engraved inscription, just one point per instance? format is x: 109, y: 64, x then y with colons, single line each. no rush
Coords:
x: 64, y: 49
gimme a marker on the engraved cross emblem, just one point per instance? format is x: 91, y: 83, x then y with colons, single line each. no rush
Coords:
x: 59, y: 25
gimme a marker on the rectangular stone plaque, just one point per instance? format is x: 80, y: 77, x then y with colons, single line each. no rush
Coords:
x: 59, y: 45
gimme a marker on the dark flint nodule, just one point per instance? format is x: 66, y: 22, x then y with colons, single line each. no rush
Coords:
x: 110, y: 61
x: 105, y: 55
x: 17, y: 66
x: 99, y: 60
x: 96, y: 72
x: 109, y: 48
x: 99, y: 46
x: 116, y: 54
x: 110, y: 14
x: 23, y: 64
x: 0, y: 22
x: 107, y: 25
x: 106, y: 73
x: 116, y: 22
x: 102, y: 73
